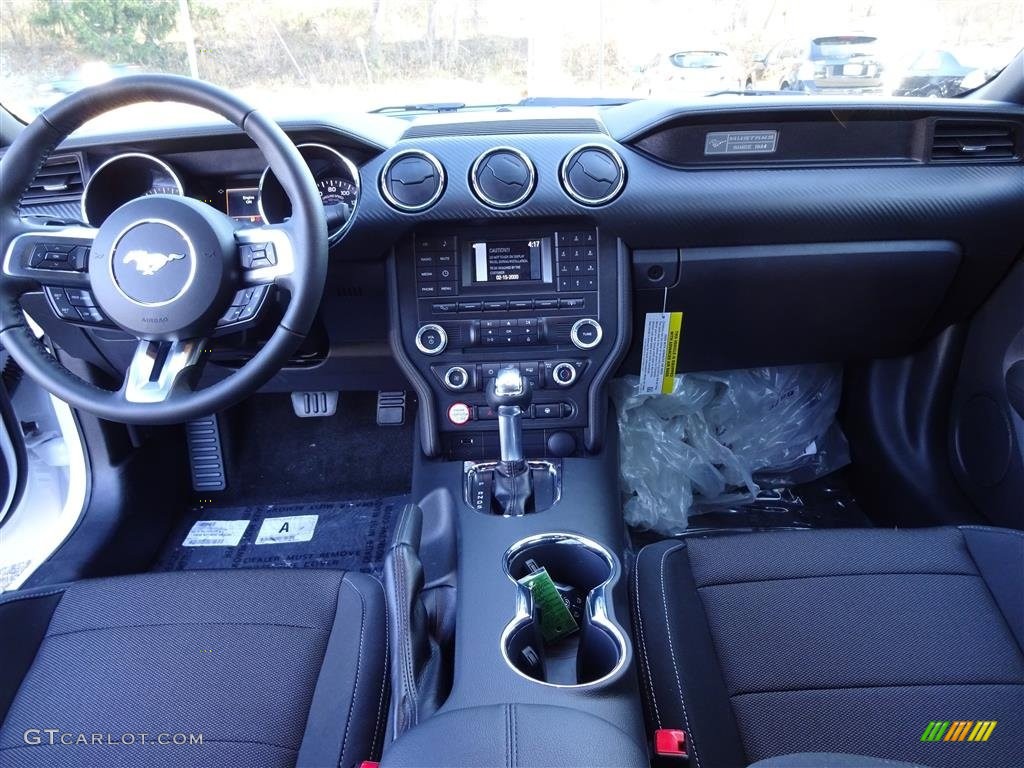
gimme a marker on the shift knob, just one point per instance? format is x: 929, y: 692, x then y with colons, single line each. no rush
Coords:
x: 509, y: 388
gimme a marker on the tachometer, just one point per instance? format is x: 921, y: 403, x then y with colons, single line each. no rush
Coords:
x: 337, y: 181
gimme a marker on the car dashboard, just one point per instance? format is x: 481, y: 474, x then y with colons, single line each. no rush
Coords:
x: 785, y: 231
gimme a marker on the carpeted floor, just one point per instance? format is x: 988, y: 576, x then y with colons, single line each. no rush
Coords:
x: 345, y: 535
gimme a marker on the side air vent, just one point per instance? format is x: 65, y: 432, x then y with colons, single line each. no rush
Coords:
x: 58, y: 181
x: 412, y: 180
x: 974, y: 140
x: 500, y: 127
x: 593, y: 174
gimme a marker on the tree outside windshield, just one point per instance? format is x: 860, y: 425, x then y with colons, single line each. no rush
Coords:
x: 367, y: 54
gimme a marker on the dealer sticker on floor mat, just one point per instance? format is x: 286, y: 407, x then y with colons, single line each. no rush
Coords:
x: 215, y: 533
x: 284, y: 530
x: 660, y: 352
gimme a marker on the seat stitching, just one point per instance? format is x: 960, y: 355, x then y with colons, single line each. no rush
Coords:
x: 672, y: 654
x: 359, y: 663
x: 645, y: 666
x: 187, y: 624
x: 870, y: 687
x: 15, y: 597
x: 991, y: 594
x: 384, y: 677
x: 769, y: 579
x: 992, y: 529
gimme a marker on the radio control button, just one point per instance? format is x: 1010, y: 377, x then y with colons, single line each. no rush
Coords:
x: 586, y: 333
x: 571, y: 303
x: 563, y: 374
x: 545, y: 303
x: 520, y: 305
x: 431, y: 339
x: 445, y: 307
x: 447, y: 289
x: 495, y: 306
x: 470, y: 306
x: 459, y: 413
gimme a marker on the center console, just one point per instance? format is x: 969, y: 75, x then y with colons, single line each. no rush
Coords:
x: 547, y: 299
x: 509, y: 334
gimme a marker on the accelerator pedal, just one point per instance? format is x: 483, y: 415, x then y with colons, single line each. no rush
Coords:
x: 390, y: 409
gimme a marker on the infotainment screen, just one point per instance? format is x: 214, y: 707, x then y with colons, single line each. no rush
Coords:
x: 511, y: 261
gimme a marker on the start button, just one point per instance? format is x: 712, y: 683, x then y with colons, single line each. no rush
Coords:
x: 458, y: 413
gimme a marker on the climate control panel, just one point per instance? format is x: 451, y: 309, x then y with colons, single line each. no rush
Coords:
x: 546, y: 299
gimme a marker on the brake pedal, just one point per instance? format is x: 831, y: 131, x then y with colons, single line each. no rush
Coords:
x: 390, y: 409
x: 205, y: 455
x: 314, y: 405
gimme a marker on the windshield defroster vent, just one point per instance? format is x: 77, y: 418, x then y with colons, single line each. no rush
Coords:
x: 412, y: 180
x: 974, y: 140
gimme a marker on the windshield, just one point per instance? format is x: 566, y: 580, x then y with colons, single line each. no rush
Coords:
x: 319, y: 55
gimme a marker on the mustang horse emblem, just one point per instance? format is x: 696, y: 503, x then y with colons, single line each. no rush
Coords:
x: 149, y: 263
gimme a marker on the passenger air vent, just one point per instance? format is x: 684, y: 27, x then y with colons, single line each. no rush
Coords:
x: 973, y: 140
x: 499, y: 127
x: 412, y: 180
x: 59, y: 180
x: 502, y: 177
x: 593, y: 174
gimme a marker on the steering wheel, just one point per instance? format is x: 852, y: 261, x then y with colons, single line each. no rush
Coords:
x: 163, y: 269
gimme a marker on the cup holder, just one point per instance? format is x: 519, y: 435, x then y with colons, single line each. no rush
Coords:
x: 582, y: 569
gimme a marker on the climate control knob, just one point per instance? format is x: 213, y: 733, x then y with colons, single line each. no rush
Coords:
x: 564, y: 374
x: 431, y: 339
x: 456, y: 378
x: 586, y: 333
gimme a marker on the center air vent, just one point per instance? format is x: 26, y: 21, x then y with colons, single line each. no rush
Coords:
x: 503, y: 177
x: 966, y: 140
x: 412, y: 180
x: 59, y: 180
x: 593, y: 174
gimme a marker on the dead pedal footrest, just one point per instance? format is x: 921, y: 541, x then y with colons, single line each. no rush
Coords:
x: 205, y: 455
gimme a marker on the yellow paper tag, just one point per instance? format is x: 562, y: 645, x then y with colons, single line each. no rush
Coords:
x: 662, y: 331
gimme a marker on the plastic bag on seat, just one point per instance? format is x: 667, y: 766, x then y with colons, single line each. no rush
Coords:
x: 718, y: 438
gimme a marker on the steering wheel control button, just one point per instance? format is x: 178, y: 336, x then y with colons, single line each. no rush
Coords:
x: 563, y: 374
x: 60, y: 304
x: 412, y: 180
x: 593, y: 174
x: 503, y: 177
x: 459, y: 414
x: 244, y: 306
x: 153, y: 263
x: 586, y: 333
x: 257, y: 255
x: 431, y: 339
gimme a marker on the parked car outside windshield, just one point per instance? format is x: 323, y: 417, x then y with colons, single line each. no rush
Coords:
x: 372, y: 54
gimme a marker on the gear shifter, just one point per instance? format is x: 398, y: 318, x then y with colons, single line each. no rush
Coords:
x: 509, y: 395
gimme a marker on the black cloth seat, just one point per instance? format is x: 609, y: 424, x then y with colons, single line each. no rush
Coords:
x: 271, y: 667
x: 838, y: 641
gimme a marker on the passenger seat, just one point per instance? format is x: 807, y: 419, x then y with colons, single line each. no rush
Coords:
x: 760, y: 645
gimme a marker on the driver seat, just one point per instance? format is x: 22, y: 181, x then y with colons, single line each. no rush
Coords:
x: 267, y: 667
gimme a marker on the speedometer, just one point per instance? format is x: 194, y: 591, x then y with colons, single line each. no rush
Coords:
x: 336, y: 190
x: 337, y: 181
